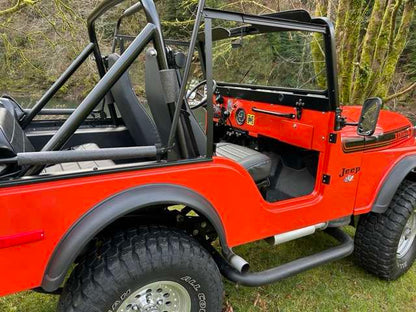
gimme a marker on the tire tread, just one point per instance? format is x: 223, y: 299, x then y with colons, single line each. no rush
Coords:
x: 121, y: 256
x: 377, y: 235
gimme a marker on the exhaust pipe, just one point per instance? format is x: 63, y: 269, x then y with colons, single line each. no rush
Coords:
x: 243, y: 266
x: 273, y: 275
x: 292, y: 235
x: 237, y: 262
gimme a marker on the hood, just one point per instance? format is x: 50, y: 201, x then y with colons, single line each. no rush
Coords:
x: 392, y: 129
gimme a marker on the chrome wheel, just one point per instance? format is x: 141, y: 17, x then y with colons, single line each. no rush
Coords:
x: 163, y: 296
x: 408, y: 236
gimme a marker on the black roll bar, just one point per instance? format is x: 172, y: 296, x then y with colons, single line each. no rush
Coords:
x: 180, y: 100
x: 100, y: 10
x: 152, y: 17
x: 127, y: 12
x: 59, y: 111
x: 101, y: 89
x: 57, y: 85
x: 98, y: 93
x: 131, y: 10
x: 57, y: 157
x: 210, y: 86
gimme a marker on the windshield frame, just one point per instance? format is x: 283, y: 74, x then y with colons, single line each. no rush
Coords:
x: 269, y: 23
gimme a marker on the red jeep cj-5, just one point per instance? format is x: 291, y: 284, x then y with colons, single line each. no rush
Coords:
x: 141, y: 202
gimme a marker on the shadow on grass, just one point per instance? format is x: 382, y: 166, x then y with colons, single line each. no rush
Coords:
x: 339, y: 286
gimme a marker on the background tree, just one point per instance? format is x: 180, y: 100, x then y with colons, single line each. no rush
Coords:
x: 371, y: 37
x: 375, y: 42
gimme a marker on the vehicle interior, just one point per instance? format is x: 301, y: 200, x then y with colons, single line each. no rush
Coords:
x: 255, y: 110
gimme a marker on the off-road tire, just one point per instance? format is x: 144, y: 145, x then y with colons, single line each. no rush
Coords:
x: 132, y: 259
x: 378, y: 235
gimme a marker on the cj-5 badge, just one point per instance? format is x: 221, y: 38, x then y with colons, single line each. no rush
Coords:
x: 349, y: 174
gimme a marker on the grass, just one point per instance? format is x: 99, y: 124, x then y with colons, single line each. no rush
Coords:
x: 339, y: 286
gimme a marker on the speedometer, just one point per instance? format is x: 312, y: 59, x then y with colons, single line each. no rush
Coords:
x: 240, y: 116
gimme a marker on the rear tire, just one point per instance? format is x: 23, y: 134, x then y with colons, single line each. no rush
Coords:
x: 145, y: 269
x: 385, y: 244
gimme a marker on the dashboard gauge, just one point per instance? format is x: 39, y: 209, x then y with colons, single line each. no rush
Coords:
x: 240, y: 116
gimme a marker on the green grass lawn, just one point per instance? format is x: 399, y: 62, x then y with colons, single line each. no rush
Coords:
x: 340, y: 286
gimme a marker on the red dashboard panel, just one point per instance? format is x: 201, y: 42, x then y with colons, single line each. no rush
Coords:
x: 279, y: 122
x: 300, y: 134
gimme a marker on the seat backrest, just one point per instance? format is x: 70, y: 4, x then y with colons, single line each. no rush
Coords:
x: 13, y: 139
x: 137, y: 120
x: 11, y: 104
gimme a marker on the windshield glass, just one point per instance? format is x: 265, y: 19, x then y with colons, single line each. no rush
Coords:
x: 289, y: 59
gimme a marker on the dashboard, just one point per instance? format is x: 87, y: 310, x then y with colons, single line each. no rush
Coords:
x: 296, y: 119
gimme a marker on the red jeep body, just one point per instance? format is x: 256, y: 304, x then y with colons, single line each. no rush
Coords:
x: 51, y: 208
x: 43, y: 221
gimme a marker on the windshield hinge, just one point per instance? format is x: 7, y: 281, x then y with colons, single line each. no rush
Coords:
x: 299, y: 108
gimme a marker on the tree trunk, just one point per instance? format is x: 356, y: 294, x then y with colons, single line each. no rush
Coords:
x: 367, y: 52
x: 387, y: 73
x: 352, y: 30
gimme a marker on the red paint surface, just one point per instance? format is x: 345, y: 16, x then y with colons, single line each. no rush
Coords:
x: 56, y: 206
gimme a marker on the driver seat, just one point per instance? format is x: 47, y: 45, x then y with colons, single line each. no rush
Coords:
x: 258, y: 165
x: 142, y: 126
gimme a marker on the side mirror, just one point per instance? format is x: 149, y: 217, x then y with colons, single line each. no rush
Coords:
x: 369, y: 116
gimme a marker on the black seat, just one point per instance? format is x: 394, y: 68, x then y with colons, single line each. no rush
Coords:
x: 257, y: 164
x: 137, y: 120
x: 80, y: 165
x: 13, y: 140
x: 142, y: 126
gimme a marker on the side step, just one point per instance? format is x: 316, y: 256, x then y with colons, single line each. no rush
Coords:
x: 288, y: 269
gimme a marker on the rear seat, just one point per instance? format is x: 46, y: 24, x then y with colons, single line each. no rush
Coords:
x: 13, y: 140
x: 82, y: 165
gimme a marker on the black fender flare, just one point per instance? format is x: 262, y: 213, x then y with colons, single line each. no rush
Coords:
x: 111, y: 209
x: 390, y: 185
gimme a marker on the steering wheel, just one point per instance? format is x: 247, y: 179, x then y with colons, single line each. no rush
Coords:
x: 203, y: 101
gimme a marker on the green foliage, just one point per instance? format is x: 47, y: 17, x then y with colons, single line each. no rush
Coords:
x: 39, y: 38
x: 408, y: 62
x: 272, y: 59
x: 368, y: 69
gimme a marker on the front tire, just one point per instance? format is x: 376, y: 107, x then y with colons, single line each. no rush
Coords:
x: 151, y: 269
x: 385, y: 244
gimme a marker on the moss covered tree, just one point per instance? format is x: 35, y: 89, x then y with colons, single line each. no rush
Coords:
x: 371, y: 36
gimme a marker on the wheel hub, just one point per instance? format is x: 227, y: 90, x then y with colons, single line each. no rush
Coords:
x: 163, y: 296
x: 408, y: 236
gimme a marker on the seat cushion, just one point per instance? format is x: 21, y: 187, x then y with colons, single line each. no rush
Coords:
x: 257, y: 164
x: 82, y: 165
